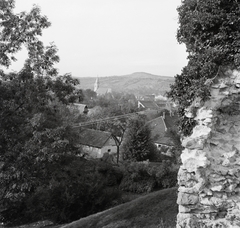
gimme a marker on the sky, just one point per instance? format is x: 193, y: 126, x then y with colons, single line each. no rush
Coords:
x: 111, y: 37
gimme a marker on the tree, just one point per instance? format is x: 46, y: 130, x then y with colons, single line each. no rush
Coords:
x: 117, y: 127
x: 24, y: 29
x: 35, y: 123
x: 35, y: 130
x: 137, y: 145
x: 211, y: 31
x: 89, y: 97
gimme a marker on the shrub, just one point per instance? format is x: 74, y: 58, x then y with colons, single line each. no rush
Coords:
x: 76, y: 188
x: 138, y: 143
x: 142, y: 177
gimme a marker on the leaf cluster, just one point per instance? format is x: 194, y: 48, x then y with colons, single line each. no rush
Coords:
x: 24, y: 29
x: 211, y: 31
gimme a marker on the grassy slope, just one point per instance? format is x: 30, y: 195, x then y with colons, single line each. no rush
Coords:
x: 148, y: 211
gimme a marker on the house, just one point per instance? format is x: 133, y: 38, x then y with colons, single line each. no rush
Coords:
x: 161, y: 103
x: 159, y: 127
x: 148, y: 105
x: 82, y: 108
x: 96, y: 143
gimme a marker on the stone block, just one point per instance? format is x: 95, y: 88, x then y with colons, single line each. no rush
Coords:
x: 206, y: 201
x: 214, y: 177
x: 193, y: 143
x: 232, y: 187
x: 203, y: 114
x: 192, y: 164
x: 217, y: 202
x: 233, y: 130
x: 184, y: 177
x: 187, y: 199
x: 226, y: 163
x: 233, y: 171
x: 217, y: 188
x: 201, y: 131
x: 185, y: 220
x: 183, y: 209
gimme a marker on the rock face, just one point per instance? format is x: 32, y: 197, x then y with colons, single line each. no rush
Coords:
x: 209, y: 177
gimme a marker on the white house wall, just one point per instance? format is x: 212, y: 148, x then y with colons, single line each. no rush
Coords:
x: 98, y: 153
x: 109, y: 149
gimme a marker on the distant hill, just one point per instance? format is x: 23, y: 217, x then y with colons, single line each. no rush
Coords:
x: 138, y: 83
x: 156, y: 210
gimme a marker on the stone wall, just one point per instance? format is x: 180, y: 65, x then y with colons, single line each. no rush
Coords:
x: 209, y: 177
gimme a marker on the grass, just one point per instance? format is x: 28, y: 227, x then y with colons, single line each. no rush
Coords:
x: 155, y: 210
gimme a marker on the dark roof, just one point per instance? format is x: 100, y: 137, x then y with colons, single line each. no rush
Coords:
x: 149, y: 104
x: 93, y: 138
x: 171, y: 120
x: 158, y: 131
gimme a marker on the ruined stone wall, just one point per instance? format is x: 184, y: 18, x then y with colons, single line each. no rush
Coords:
x: 209, y: 177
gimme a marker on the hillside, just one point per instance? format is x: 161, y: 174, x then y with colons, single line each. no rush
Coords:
x: 139, y: 83
x: 155, y: 210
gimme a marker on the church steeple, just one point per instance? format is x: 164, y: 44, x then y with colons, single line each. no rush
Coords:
x: 96, y: 85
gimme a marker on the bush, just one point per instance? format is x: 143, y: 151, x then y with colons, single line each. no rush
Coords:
x: 76, y: 188
x: 143, y: 177
x: 138, y: 143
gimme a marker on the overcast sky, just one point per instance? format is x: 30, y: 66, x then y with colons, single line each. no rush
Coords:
x: 112, y: 37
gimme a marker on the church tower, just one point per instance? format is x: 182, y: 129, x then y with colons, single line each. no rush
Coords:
x: 96, y: 85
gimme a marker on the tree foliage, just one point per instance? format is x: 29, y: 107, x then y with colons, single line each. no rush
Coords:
x: 137, y: 145
x: 24, y: 29
x: 35, y: 129
x: 210, y: 29
x: 35, y: 122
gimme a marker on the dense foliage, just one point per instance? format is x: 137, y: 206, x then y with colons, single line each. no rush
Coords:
x: 35, y: 122
x: 210, y: 29
x: 75, y: 188
x: 140, y: 177
x: 138, y: 144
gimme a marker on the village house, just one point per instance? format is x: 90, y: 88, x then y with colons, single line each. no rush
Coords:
x: 82, y: 108
x: 159, y: 127
x: 161, y: 103
x: 148, y: 105
x: 96, y: 143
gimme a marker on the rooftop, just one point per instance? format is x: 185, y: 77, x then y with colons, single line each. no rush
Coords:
x: 158, y: 129
x: 93, y: 138
x: 149, y: 104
